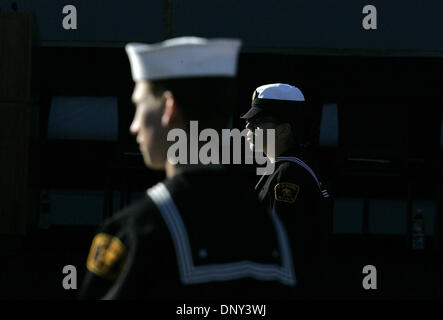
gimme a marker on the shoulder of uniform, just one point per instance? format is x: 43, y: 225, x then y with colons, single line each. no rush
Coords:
x: 116, y: 236
x: 287, y: 170
x: 291, y: 179
x: 286, y: 165
x: 140, y: 213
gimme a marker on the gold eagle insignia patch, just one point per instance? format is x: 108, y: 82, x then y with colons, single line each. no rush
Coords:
x: 286, y: 192
x: 107, y: 256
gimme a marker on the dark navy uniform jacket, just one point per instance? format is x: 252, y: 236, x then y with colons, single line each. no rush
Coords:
x: 303, y: 203
x: 201, y: 234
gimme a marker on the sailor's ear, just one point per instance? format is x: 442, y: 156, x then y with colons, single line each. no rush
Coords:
x: 171, y: 112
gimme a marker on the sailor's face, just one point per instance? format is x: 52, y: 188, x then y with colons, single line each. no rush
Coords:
x: 146, y: 125
x: 254, y: 126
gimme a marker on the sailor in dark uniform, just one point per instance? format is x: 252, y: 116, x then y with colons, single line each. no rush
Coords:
x: 294, y: 190
x: 200, y: 233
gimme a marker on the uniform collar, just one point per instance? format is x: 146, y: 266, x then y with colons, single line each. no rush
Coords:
x: 297, y: 152
x: 292, y: 152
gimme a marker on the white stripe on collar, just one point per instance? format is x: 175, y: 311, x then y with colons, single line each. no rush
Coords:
x: 301, y: 163
x: 189, y: 273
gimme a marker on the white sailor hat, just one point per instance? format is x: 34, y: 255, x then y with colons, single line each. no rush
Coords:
x: 185, y: 57
x: 277, y: 99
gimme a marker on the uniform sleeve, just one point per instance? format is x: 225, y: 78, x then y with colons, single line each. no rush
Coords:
x: 296, y: 200
x: 107, y: 257
x: 293, y: 191
x: 123, y: 255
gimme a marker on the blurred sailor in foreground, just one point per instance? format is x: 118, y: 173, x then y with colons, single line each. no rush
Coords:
x: 200, y: 233
x: 294, y: 190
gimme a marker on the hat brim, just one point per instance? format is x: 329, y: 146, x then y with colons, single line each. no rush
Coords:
x: 252, y: 113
